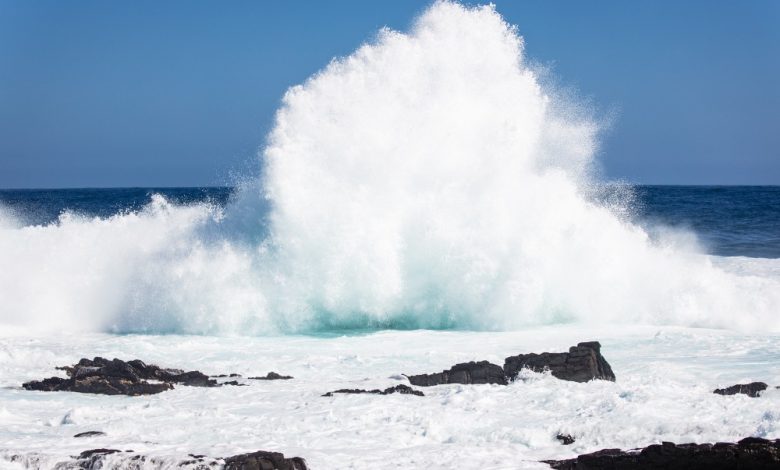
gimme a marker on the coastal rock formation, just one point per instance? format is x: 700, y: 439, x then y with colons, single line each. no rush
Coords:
x: 96, y: 459
x: 272, y: 376
x: 749, y: 453
x: 262, y: 460
x: 117, y: 377
x: 482, y: 372
x: 402, y: 389
x: 90, y: 434
x: 566, y: 439
x: 582, y: 363
x: 752, y: 389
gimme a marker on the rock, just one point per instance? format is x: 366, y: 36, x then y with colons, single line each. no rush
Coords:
x: 482, y: 372
x: 117, y: 377
x: 582, y: 363
x: 402, y: 389
x: 90, y: 434
x: 749, y: 453
x: 234, y: 383
x: 752, y: 389
x: 262, y: 460
x: 97, y: 452
x: 222, y: 376
x: 566, y: 439
x: 272, y: 376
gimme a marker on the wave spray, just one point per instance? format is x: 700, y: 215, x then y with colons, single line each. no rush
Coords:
x: 428, y: 180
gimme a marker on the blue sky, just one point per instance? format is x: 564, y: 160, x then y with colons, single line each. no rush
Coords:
x: 182, y: 93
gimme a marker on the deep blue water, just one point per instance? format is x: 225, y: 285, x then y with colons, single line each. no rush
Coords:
x: 729, y: 220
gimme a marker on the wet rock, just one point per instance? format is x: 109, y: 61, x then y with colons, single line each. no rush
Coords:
x: 92, y: 459
x: 272, y: 376
x: 566, y: 439
x: 402, y: 389
x: 97, y: 452
x: 482, y: 372
x: 117, y: 377
x: 749, y: 453
x: 222, y: 376
x: 582, y: 363
x: 262, y: 460
x: 234, y: 383
x: 752, y: 389
x: 90, y: 434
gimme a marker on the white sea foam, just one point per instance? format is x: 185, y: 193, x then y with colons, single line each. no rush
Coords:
x: 665, y: 378
x: 427, y: 180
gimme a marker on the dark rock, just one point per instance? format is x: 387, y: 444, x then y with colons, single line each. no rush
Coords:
x: 117, y: 377
x: 90, y: 434
x: 402, y: 389
x: 749, y: 453
x: 234, y: 383
x: 97, y: 452
x: 222, y: 376
x: 272, y: 376
x: 262, y: 460
x: 752, y: 389
x: 582, y: 363
x: 566, y: 439
x: 482, y: 372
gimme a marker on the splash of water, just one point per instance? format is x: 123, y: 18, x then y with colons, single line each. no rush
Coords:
x: 427, y: 180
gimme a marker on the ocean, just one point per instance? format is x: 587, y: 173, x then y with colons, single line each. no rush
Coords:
x: 728, y: 220
x: 427, y: 200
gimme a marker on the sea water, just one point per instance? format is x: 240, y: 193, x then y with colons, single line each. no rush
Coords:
x: 426, y: 200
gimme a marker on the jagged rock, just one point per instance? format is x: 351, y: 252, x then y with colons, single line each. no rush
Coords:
x: 402, y: 389
x: 117, y: 377
x: 752, y: 389
x: 272, y: 376
x: 566, y: 439
x: 582, y: 363
x: 749, y: 453
x: 262, y: 460
x: 96, y: 452
x: 234, y: 383
x: 482, y: 372
x: 90, y: 434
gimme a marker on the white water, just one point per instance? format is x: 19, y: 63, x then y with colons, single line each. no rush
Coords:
x: 425, y: 181
x: 663, y: 393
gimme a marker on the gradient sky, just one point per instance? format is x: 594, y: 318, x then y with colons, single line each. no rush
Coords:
x: 182, y: 93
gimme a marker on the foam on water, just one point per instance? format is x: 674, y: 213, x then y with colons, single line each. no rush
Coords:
x: 663, y: 392
x: 428, y: 180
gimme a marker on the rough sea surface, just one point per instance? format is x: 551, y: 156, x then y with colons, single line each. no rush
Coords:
x: 426, y: 200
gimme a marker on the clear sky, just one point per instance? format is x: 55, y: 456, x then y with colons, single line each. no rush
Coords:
x: 182, y: 93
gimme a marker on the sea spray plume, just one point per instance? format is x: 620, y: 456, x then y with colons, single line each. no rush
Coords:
x: 426, y: 181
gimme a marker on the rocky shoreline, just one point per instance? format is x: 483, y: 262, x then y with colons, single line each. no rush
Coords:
x: 582, y: 363
x: 102, y: 459
x: 749, y: 453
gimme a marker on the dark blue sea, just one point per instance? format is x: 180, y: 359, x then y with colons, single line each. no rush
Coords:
x: 728, y: 220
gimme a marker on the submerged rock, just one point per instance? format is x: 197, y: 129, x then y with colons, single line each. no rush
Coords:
x: 749, y: 453
x: 117, y: 377
x: 262, y: 460
x: 482, y: 372
x: 752, y: 389
x: 90, y: 434
x: 582, y: 363
x: 272, y: 376
x: 566, y: 439
x: 402, y: 389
